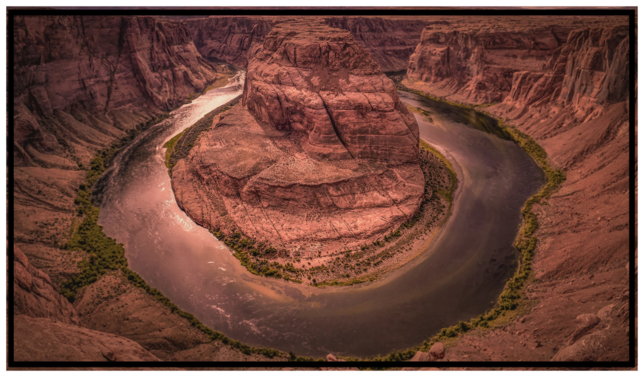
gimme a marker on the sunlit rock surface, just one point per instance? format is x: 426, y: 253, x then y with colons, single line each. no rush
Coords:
x: 322, y: 157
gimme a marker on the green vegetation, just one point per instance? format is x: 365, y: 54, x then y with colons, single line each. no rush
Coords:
x: 446, y: 193
x: 510, y: 299
x: 250, y: 255
x: 169, y: 145
x: 449, y: 193
x: 422, y: 112
x: 104, y: 254
x: 180, y: 146
x: 218, y: 83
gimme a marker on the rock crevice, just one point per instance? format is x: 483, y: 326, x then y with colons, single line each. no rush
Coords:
x: 321, y: 152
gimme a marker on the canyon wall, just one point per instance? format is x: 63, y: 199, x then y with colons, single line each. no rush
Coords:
x: 389, y: 40
x: 235, y: 39
x: 576, y: 106
x: 81, y: 83
x: 231, y: 39
x: 324, y: 151
x: 473, y: 59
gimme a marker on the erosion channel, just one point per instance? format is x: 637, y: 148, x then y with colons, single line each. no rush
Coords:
x: 459, y: 276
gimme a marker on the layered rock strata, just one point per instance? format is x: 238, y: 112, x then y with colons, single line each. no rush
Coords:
x: 235, y: 39
x: 34, y: 294
x: 81, y: 83
x: 229, y: 38
x: 474, y: 59
x: 389, y: 40
x: 576, y: 106
x: 322, y: 158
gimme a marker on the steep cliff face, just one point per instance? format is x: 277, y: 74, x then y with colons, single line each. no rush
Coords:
x: 478, y: 63
x: 231, y: 39
x: 236, y: 39
x: 587, y: 73
x: 322, y: 84
x: 390, y: 41
x: 576, y: 107
x: 323, y: 151
x: 474, y: 59
x: 80, y: 84
x: 81, y: 81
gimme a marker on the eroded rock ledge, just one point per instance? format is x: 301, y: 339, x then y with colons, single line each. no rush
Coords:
x: 321, y: 158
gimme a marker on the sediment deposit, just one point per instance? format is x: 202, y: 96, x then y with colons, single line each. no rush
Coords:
x: 82, y: 82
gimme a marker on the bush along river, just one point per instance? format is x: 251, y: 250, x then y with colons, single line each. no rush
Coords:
x: 459, y: 276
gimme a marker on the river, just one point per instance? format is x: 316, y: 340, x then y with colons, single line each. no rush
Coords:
x: 458, y: 277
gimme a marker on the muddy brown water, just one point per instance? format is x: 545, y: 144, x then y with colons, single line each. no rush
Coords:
x: 459, y: 276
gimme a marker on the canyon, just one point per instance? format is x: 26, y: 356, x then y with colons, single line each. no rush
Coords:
x: 319, y: 159
x: 576, y: 106
x: 561, y: 80
x: 128, y: 72
x: 235, y: 39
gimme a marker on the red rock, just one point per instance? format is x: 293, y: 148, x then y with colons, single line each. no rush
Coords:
x: 437, y: 351
x: 585, y: 323
x: 235, y: 39
x: 325, y: 155
x: 124, y: 70
x: 477, y: 59
x: 34, y: 294
x: 41, y: 339
x: 576, y: 107
x: 229, y: 38
x: 421, y: 356
x: 389, y: 40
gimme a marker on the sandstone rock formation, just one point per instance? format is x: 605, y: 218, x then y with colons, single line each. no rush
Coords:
x: 473, y: 59
x: 41, y: 339
x: 235, y: 39
x: 588, y: 73
x: 436, y: 352
x: 82, y: 82
x: 389, y: 40
x: 34, y: 294
x: 323, y: 158
x: 124, y: 70
x: 576, y: 107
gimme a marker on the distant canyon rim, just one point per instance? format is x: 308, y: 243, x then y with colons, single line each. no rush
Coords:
x: 561, y: 80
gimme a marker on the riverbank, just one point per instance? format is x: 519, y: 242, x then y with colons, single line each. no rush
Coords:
x: 106, y: 269
x: 512, y: 300
x: 199, y: 274
x: 348, y: 267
